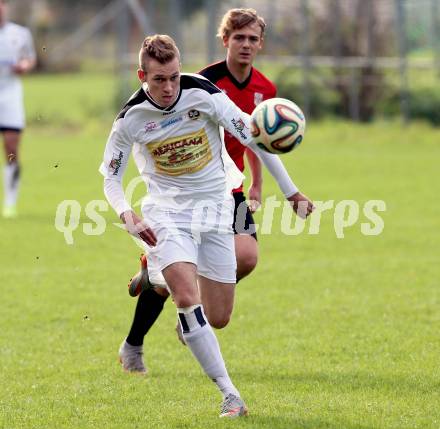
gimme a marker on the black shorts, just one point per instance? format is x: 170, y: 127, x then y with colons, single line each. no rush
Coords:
x: 243, y: 220
x: 3, y: 129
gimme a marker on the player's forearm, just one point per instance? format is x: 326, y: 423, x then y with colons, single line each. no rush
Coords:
x: 238, y: 123
x: 277, y: 170
x: 115, y: 196
x: 255, y: 167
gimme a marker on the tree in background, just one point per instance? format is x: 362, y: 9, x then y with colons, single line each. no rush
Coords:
x: 342, y: 31
x: 361, y: 30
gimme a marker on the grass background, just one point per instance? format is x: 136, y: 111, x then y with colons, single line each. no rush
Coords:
x: 326, y: 333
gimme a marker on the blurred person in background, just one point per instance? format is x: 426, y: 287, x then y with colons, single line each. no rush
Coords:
x: 242, y: 34
x: 17, y: 57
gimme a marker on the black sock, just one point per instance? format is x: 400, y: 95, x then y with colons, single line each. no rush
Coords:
x: 149, y: 306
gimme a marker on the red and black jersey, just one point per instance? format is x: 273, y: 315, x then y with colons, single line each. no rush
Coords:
x: 246, y: 95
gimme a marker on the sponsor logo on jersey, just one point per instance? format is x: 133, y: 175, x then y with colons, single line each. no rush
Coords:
x: 150, y: 126
x: 258, y: 98
x: 171, y: 121
x: 194, y: 114
x: 239, y: 126
x: 115, y: 163
x: 169, y: 113
x: 181, y: 155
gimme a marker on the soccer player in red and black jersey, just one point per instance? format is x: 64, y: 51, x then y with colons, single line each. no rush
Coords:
x: 242, y: 33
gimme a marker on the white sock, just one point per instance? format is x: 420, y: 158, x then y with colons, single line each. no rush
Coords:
x: 200, y: 338
x: 11, y: 182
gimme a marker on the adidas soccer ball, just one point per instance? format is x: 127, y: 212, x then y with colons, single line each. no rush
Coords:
x: 277, y: 125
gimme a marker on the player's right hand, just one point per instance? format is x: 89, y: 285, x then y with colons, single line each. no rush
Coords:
x: 23, y: 66
x: 254, y: 197
x: 137, y: 227
x: 301, y: 205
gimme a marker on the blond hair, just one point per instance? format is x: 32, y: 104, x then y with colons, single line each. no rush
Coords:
x: 235, y: 19
x: 159, y: 47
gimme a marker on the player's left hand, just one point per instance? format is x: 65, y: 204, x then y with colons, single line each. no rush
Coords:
x: 302, y: 205
x: 254, y: 197
x: 21, y: 67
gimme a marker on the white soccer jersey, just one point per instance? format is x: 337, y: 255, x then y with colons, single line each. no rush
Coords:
x: 15, y: 44
x: 179, y: 150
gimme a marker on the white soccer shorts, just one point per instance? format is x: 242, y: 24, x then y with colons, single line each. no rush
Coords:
x: 201, y: 236
x: 11, y: 107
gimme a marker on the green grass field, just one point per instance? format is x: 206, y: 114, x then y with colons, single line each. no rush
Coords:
x: 326, y: 333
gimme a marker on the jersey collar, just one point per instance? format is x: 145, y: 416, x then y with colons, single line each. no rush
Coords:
x: 165, y: 109
x: 239, y: 85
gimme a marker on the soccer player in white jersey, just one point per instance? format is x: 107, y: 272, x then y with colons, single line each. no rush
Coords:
x: 17, y: 57
x: 172, y: 126
x: 242, y: 32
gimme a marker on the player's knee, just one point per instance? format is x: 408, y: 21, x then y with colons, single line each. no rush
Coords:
x: 11, y: 154
x: 219, y: 321
x: 183, y: 300
x: 11, y: 141
x: 246, y: 263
